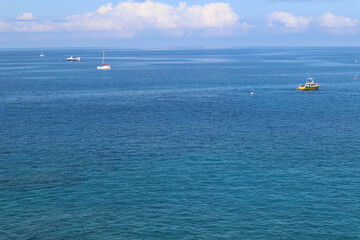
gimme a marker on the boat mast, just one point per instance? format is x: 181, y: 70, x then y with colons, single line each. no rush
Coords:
x: 103, y: 57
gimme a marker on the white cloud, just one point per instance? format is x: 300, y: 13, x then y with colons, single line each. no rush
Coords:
x: 4, y: 26
x: 26, y: 16
x: 34, y: 27
x: 127, y: 19
x: 289, y: 21
x: 329, y: 20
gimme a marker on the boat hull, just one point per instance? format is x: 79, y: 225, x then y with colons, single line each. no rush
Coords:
x: 73, y: 59
x: 103, y: 67
x: 308, y: 88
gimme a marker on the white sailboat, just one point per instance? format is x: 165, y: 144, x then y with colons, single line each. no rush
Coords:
x: 104, y: 66
x: 41, y: 54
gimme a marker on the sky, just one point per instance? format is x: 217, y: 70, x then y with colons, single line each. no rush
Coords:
x: 166, y: 23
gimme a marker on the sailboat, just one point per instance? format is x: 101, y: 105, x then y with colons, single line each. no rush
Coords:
x: 42, y: 55
x: 104, y: 66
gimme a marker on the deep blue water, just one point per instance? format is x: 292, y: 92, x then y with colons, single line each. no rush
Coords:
x: 170, y: 144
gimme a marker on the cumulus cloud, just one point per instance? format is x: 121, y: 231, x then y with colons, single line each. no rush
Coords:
x: 26, y: 16
x: 34, y: 27
x: 289, y: 21
x: 337, y: 23
x: 130, y: 18
x: 327, y: 22
x: 4, y: 26
x: 126, y: 19
x: 307, y: 0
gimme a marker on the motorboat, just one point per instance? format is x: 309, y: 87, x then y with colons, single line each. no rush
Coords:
x: 309, y: 85
x: 73, y: 59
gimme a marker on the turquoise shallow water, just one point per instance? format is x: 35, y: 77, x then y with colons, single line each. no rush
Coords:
x: 170, y: 144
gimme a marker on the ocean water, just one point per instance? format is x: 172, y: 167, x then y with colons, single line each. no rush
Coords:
x: 170, y: 144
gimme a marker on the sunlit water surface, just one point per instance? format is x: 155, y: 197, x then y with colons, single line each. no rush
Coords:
x: 170, y: 144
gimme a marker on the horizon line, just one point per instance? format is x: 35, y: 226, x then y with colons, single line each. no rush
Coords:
x: 183, y: 47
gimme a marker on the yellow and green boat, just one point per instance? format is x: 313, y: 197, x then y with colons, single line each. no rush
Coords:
x: 309, y: 85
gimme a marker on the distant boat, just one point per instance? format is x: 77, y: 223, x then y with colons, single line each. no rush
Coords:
x: 104, y: 66
x: 309, y: 85
x: 41, y: 54
x: 74, y: 59
x: 356, y: 77
x: 356, y: 61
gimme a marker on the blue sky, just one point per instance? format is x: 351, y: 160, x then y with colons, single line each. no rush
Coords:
x: 158, y: 23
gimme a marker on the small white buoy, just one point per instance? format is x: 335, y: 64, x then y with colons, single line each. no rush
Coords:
x: 252, y: 93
